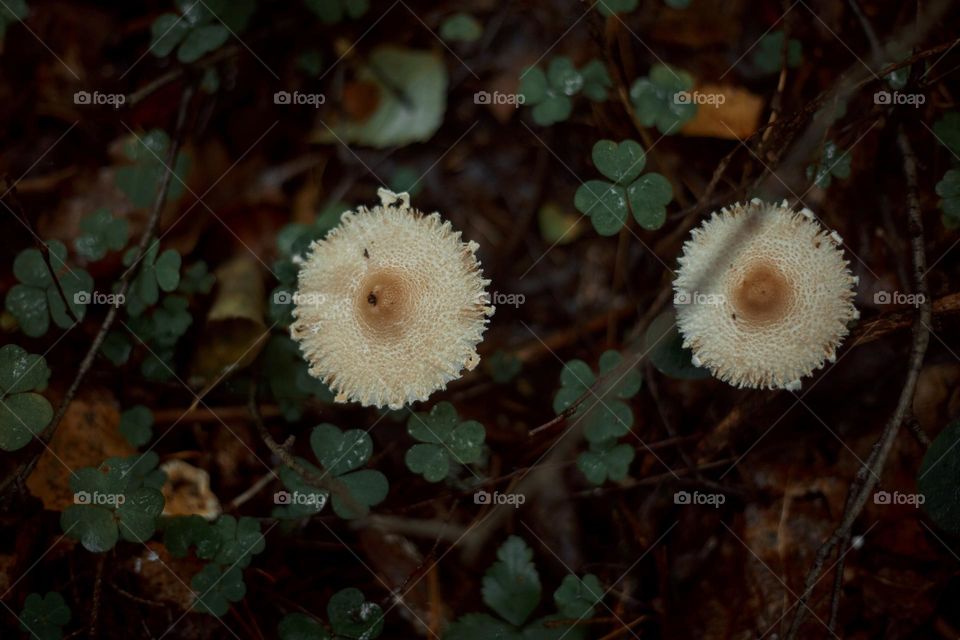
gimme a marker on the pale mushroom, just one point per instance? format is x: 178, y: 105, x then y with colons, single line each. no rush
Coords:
x: 391, y: 305
x: 764, y: 295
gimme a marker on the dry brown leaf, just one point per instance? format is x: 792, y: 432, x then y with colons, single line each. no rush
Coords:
x: 187, y: 491
x: 937, y: 399
x: 164, y: 578
x: 88, y: 435
x: 235, y: 331
x: 733, y: 113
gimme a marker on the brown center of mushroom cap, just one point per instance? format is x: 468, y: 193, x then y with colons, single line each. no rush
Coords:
x: 762, y: 294
x: 383, y: 299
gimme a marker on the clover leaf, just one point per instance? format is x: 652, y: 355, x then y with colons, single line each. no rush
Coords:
x: 302, y: 499
x: 937, y: 479
x: 442, y: 437
x: 333, y: 11
x: 664, y: 345
x: 136, y: 425
x: 352, y: 617
x: 216, y: 587
x: 100, y: 233
x: 23, y: 413
x: 621, y: 163
x: 550, y: 94
x: 240, y: 540
x: 604, y: 203
x: 549, y: 105
x: 656, y: 100
x: 201, y: 28
x: 605, y: 460
x: 511, y: 587
x: 604, y: 414
x: 341, y: 454
x: 44, y: 616
x: 607, y: 204
x: 611, y: 7
x: 299, y: 626
x: 37, y: 298
x: 155, y: 273
x: 182, y: 532
x: 141, y: 179
x: 461, y: 27
x: 161, y: 330
x: 196, y: 279
x: 119, y: 499
x: 576, y: 378
x: 577, y: 598
x: 288, y: 378
x: 834, y: 163
x: 294, y: 240
x: 649, y: 197
x: 766, y: 57
x: 947, y: 130
x: 596, y: 80
x: 949, y: 190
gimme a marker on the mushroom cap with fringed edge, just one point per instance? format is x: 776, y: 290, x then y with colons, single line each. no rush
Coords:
x: 764, y: 295
x: 391, y: 305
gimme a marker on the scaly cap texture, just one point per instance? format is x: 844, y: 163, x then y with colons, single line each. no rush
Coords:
x: 391, y: 305
x: 763, y: 295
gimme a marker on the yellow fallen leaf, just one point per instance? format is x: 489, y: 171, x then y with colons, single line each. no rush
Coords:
x: 724, y: 112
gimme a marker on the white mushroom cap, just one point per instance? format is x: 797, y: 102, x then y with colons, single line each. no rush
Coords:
x: 391, y: 305
x: 763, y: 295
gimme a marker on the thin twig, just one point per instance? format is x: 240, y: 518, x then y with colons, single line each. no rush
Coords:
x: 85, y: 365
x: 323, y: 481
x: 867, y: 478
x: 97, y: 592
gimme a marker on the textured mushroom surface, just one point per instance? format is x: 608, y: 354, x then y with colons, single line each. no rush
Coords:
x: 391, y: 305
x: 764, y: 295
